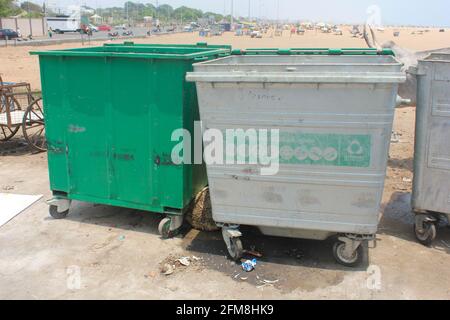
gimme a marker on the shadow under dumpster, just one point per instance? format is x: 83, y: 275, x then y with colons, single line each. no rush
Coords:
x: 286, y: 264
x: 398, y: 221
x: 115, y: 217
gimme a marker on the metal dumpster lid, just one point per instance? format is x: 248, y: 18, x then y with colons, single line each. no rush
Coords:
x: 197, y: 45
x: 275, y: 68
x: 314, y: 51
x: 127, y: 50
x: 437, y: 57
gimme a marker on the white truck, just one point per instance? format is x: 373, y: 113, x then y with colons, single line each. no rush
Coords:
x: 62, y: 24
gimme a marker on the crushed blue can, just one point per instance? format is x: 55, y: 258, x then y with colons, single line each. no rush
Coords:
x: 249, y: 265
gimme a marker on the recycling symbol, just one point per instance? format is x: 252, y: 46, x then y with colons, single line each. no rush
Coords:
x: 355, y: 148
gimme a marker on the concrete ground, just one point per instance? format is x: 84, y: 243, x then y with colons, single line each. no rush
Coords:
x: 114, y: 253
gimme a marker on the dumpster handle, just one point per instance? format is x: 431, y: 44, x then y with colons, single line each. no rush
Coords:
x: 309, y: 51
x: 199, y: 59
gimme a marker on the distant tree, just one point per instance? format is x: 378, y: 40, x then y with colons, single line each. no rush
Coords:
x: 137, y: 11
x: 165, y: 11
x: 32, y: 9
x: 217, y: 17
x: 149, y: 10
x: 8, y: 8
x: 187, y: 13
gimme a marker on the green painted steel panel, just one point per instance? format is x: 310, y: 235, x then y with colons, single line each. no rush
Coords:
x: 110, y: 113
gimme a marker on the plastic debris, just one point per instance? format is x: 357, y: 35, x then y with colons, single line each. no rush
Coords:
x: 249, y: 265
x: 270, y: 281
x: 196, y: 258
x: 122, y: 238
x: 407, y: 180
x: 184, y: 261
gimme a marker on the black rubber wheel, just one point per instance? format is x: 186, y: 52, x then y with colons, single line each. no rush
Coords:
x: 353, y: 261
x: 427, y: 235
x: 53, y: 210
x: 236, y: 249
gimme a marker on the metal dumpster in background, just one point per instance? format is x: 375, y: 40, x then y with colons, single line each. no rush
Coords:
x: 334, y: 113
x: 431, y: 187
x: 110, y: 113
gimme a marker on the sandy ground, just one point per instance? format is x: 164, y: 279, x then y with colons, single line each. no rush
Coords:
x: 118, y: 252
x: 28, y: 68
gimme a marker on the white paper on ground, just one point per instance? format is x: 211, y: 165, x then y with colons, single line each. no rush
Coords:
x: 13, y: 204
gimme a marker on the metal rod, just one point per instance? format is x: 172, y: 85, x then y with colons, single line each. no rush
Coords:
x: 232, y: 10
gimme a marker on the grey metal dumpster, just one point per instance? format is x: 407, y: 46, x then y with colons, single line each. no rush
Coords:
x: 334, y: 115
x: 431, y: 187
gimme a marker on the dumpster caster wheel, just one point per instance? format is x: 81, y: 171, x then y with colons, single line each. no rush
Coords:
x: 425, y: 232
x: 232, y: 237
x: 55, y: 214
x: 164, y: 228
x: 169, y: 226
x: 349, y: 260
x: 235, y: 250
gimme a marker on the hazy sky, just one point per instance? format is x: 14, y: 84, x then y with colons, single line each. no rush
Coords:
x: 414, y: 12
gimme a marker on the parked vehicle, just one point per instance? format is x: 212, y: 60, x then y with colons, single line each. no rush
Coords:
x: 127, y: 33
x: 153, y: 30
x: 93, y: 28
x: 88, y: 28
x: 113, y: 34
x: 63, y: 24
x: 256, y: 34
x: 104, y: 27
x: 7, y: 34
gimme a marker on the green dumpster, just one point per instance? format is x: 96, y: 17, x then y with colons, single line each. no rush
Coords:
x: 110, y: 112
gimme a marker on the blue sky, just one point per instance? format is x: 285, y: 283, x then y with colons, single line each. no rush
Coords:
x: 398, y: 12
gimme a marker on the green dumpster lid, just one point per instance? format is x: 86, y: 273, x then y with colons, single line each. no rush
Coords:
x: 129, y: 50
x: 197, y: 45
x: 313, y: 51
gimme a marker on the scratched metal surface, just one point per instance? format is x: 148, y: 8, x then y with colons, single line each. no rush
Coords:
x: 431, y: 189
x: 320, y: 185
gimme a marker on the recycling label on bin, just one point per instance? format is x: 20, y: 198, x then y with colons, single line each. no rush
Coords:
x: 341, y: 150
